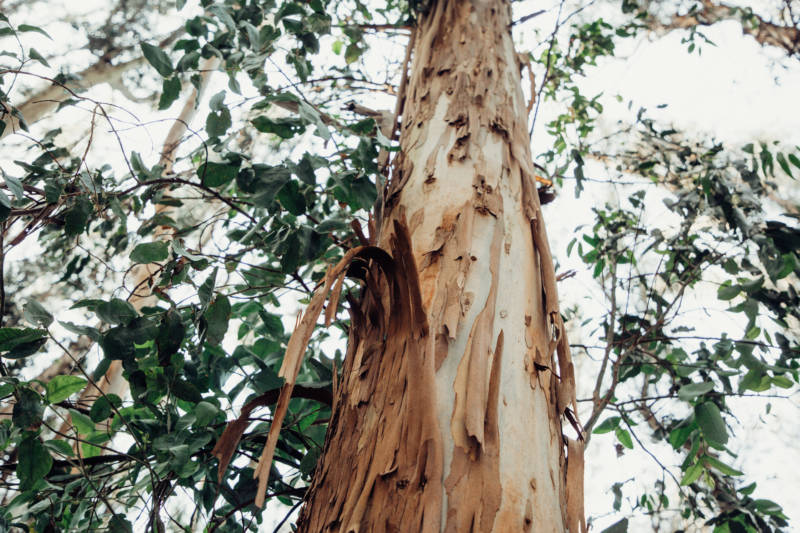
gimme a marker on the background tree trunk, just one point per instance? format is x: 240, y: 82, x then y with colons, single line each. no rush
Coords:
x: 448, y: 414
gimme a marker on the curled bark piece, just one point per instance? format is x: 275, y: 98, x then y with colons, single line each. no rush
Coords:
x: 575, y: 518
x: 290, y: 368
x: 229, y: 440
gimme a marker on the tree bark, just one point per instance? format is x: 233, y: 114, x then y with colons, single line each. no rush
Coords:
x: 448, y: 416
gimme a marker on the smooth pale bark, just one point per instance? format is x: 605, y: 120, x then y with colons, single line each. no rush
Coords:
x: 448, y: 413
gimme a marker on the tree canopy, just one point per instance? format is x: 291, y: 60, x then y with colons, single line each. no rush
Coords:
x: 179, y: 176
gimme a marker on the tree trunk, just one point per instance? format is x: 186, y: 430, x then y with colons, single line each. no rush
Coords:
x: 448, y: 416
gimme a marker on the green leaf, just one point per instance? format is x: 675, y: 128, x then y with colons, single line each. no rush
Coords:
x: 352, y: 53
x: 756, y: 380
x: 309, y: 461
x: 216, y: 174
x: 76, y: 217
x: 719, y: 465
x: 103, y: 407
x: 83, y: 424
x: 11, y: 338
x: 119, y: 524
x: 624, y: 437
x: 35, y: 313
x: 37, y: 29
x: 265, y: 182
x: 205, y: 412
x: 28, y: 409
x: 186, y: 391
x: 283, y: 127
x: 157, y: 58
x: 679, y: 435
x: 62, y: 387
x: 150, y: 252
x: 34, y: 462
x: 692, y: 474
x: 784, y: 164
x: 693, y: 390
x: 608, y: 425
x: 170, y: 91
x: 291, y: 199
x: 218, y: 122
x: 311, y: 115
x: 206, y: 290
x: 726, y: 291
x: 116, y: 311
x: 15, y: 186
x: 617, y: 527
x: 793, y: 159
x: 782, y: 381
x: 216, y: 319
x: 170, y: 336
x: 92, y: 333
x: 38, y: 57
x: 60, y: 446
x: 710, y: 421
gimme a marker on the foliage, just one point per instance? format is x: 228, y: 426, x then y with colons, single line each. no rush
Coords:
x: 231, y: 236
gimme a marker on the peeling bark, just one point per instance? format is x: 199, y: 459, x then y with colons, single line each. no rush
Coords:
x: 448, y: 416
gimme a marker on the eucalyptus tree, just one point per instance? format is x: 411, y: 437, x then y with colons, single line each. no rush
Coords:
x: 454, y: 406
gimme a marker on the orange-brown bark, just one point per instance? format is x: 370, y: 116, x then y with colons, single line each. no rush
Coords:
x: 448, y: 413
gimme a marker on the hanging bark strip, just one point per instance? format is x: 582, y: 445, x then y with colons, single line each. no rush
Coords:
x: 448, y: 416
x: 387, y: 345
x: 290, y: 367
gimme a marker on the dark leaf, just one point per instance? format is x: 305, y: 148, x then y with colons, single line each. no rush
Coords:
x: 28, y: 409
x: 283, y: 127
x: 693, y: 390
x: 150, y: 252
x: 216, y: 174
x: 116, y: 311
x: 119, y: 524
x: 62, y: 387
x: 77, y: 216
x: 216, y: 319
x: 170, y: 336
x: 617, y: 527
x: 10, y: 338
x: 186, y: 391
x: 34, y: 462
x: 710, y: 421
x: 170, y: 91
x: 218, y: 122
x: 609, y: 424
x: 291, y: 199
x: 157, y: 58
x: 35, y: 313
x: 103, y: 407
